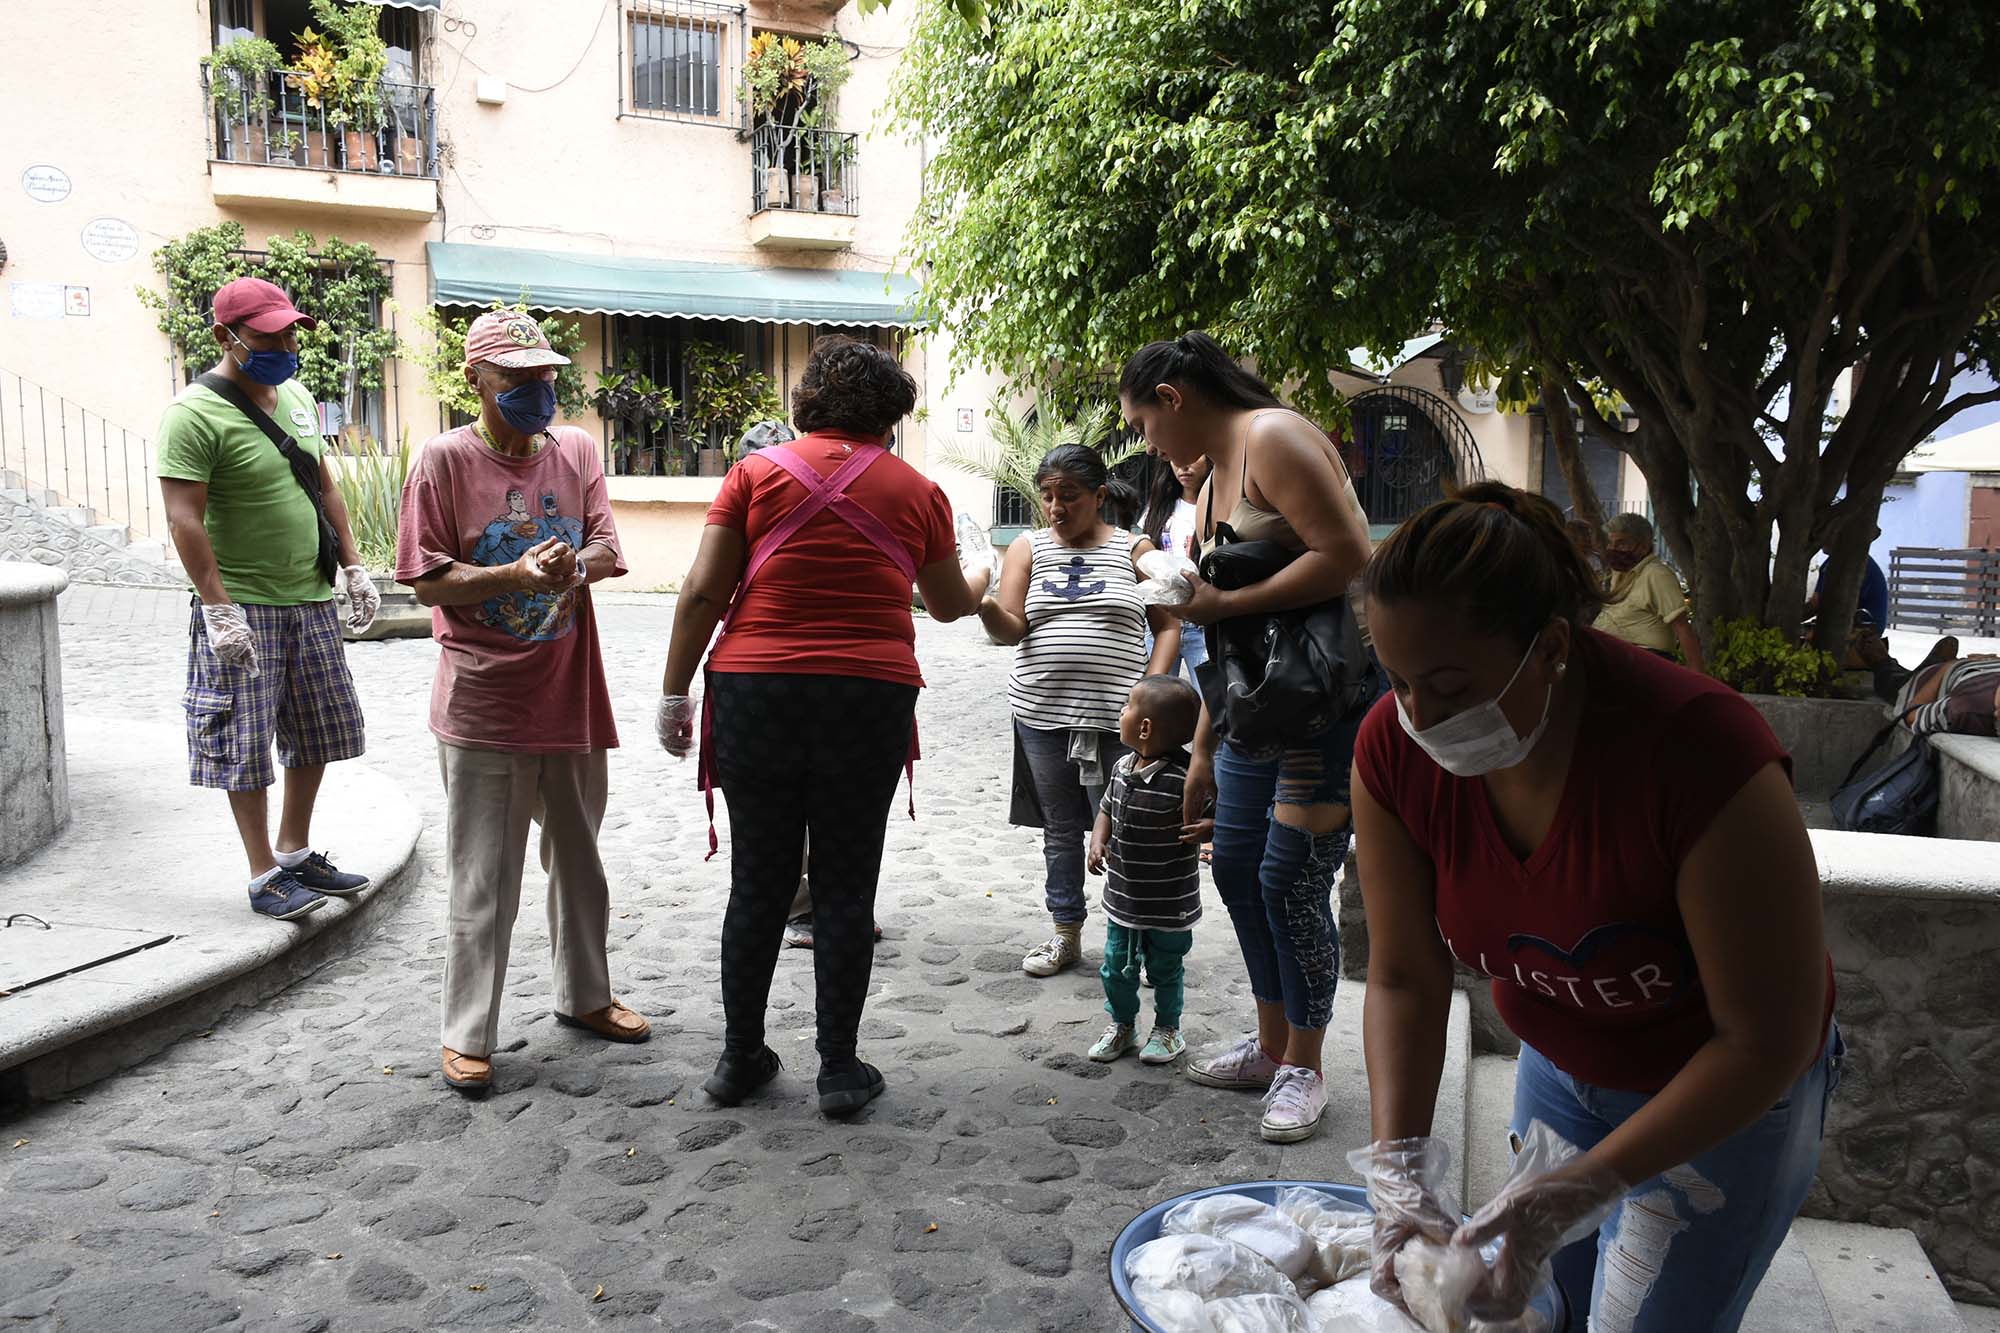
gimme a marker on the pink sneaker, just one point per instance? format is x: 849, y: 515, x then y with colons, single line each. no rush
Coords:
x: 1243, y: 1065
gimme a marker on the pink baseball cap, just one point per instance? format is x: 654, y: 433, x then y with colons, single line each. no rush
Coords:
x: 510, y: 340
x: 260, y: 304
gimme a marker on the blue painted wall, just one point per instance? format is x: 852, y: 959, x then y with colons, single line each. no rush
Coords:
x: 1932, y: 512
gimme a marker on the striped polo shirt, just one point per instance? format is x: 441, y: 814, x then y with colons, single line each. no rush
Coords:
x: 1086, y: 643
x: 1152, y: 878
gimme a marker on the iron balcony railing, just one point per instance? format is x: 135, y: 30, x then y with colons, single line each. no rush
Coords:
x: 48, y: 443
x: 278, y: 125
x: 806, y: 171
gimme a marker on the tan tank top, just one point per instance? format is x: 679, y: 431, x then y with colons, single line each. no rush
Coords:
x: 1252, y: 522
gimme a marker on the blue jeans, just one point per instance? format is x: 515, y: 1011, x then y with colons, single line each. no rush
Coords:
x: 1277, y: 881
x: 1194, y: 648
x: 1686, y: 1249
x: 1069, y: 808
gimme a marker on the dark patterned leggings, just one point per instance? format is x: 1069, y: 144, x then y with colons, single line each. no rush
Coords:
x: 795, y: 753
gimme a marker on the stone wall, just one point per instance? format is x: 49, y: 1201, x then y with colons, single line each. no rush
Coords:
x: 31, y: 535
x: 1913, y: 1137
x: 1969, y: 787
x: 1823, y: 736
x: 34, y: 774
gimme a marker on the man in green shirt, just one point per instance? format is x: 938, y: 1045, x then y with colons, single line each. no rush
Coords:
x: 1647, y: 605
x: 265, y: 657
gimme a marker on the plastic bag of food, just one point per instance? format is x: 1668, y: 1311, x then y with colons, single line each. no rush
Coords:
x: 1168, y: 578
x: 1350, y: 1307
x: 975, y: 548
x: 1341, y: 1238
x: 1437, y: 1281
x: 1259, y: 1314
x: 1244, y: 1220
x: 1164, y: 1271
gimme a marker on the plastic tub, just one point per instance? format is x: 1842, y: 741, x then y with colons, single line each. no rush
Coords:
x: 1146, y: 1226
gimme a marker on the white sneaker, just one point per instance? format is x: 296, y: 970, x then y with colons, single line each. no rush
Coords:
x: 1294, y: 1105
x: 1117, y: 1039
x: 1052, y: 956
x: 1243, y: 1065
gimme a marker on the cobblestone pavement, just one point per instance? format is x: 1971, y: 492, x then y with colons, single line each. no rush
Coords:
x: 302, y: 1166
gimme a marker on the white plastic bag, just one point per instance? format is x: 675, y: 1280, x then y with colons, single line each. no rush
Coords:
x: 1244, y: 1220
x: 1259, y: 1314
x: 1436, y: 1281
x: 1341, y: 1239
x: 1350, y: 1307
x: 1167, y: 578
x: 1165, y: 1272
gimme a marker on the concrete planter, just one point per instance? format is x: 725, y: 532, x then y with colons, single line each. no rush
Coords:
x: 34, y: 766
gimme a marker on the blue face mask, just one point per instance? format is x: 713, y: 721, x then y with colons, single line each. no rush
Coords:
x: 272, y: 368
x: 530, y: 407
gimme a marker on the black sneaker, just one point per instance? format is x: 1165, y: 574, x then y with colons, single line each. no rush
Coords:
x: 322, y: 876
x: 737, y: 1076
x: 283, y: 898
x: 849, y: 1091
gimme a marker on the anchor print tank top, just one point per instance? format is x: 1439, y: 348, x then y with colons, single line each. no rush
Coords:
x: 1086, y: 644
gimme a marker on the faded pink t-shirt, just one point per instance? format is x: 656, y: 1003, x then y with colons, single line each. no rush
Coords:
x: 520, y: 671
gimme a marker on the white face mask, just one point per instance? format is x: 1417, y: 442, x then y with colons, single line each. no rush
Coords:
x: 1479, y: 740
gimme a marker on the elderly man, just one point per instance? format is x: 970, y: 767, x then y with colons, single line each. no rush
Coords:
x: 261, y: 530
x: 519, y: 706
x: 1647, y: 606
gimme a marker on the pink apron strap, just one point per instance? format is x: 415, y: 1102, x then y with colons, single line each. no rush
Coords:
x: 829, y: 492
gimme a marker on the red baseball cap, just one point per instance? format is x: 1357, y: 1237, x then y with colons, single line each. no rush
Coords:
x: 510, y: 340
x: 260, y: 304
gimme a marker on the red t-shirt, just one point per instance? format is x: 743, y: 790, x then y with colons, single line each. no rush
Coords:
x: 829, y: 603
x: 1584, y: 940
x: 520, y: 671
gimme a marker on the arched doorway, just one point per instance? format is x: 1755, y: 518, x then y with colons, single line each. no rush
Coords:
x: 1406, y: 448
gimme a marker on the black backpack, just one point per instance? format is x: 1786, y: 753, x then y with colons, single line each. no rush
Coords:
x: 1899, y: 797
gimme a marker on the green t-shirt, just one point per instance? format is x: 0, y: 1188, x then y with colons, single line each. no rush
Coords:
x: 259, y: 521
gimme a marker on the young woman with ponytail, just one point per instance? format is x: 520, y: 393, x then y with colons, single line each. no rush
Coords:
x: 1615, y: 842
x: 1280, y: 826
x: 1171, y: 523
x: 1069, y: 598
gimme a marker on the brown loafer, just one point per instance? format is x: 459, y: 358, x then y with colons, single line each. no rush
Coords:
x: 467, y: 1073
x: 614, y: 1022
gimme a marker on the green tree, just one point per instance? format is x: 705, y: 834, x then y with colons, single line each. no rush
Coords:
x: 1716, y: 210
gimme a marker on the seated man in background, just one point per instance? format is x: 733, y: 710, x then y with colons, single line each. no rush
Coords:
x: 1647, y: 607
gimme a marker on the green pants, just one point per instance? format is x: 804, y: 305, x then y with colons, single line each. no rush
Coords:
x: 1163, y: 952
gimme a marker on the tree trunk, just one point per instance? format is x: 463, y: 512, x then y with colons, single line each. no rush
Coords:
x: 1569, y: 453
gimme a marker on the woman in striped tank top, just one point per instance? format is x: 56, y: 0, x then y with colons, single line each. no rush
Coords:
x: 1069, y: 598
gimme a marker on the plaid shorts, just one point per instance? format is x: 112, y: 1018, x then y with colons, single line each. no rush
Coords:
x: 302, y: 695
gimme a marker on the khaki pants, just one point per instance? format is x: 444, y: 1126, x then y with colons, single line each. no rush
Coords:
x: 490, y: 798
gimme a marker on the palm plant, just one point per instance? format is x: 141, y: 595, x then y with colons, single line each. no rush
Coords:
x: 1018, y: 444
x: 370, y: 475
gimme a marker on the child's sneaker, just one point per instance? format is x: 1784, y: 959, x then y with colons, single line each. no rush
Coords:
x: 1243, y: 1065
x: 1294, y: 1106
x: 1052, y: 956
x: 1117, y: 1039
x: 1163, y: 1047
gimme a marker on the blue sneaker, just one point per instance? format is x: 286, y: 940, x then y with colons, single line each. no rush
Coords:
x: 284, y: 898
x: 322, y: 876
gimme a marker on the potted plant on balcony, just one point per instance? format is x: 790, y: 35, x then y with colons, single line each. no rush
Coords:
x: 791, y: 85
x: 239, y: 83
x: 341, y: 64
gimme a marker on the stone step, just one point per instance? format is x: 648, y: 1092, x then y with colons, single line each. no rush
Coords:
x: 1828, y: 1277
x: 149, y: 548
x: 77, y: 515
x: 112, y: 534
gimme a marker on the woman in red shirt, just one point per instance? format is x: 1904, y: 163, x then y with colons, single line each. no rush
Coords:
x: 813, y: 690
x: 1615, y: 842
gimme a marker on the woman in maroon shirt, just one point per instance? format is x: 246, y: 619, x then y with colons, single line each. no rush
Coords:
x: 1615, y: 842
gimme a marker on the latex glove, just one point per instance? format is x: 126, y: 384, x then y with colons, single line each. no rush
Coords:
x: 1531, y: 1218
x: 229, y: 636
x: 1401, y: 1175
x: 362, y: 599
x: 674, y: 724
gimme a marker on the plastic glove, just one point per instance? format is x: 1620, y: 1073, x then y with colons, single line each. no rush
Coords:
x: 1405, y: 1189
x: 674, y: 724
x: 362, y: 599
x: 229, y: 636
x: 1532, y: 1217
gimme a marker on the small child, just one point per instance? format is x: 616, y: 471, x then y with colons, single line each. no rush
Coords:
x: 1153, y: 895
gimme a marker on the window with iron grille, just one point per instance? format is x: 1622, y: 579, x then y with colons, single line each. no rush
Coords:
x: 656, y: 347
x: 683, y: 64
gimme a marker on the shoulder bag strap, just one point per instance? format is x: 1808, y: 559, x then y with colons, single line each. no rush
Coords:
x: 304, y: 470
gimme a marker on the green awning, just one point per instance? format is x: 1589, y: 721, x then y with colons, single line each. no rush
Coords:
x: 477, y: 275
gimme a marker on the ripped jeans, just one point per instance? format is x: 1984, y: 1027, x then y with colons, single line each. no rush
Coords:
x: 1686, y: 1249
x: 1277, y: 881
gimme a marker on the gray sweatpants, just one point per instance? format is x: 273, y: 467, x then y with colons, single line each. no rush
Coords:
x: 491, y: 796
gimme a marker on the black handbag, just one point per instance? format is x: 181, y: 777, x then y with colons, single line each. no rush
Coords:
x: 1274, y: 681
x: 1899, y: 797
x: 305, y: 470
